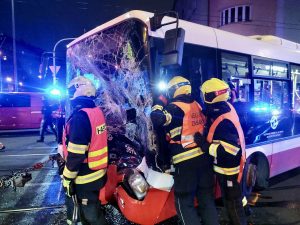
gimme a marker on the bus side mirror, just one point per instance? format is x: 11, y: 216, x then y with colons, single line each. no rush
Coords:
x: 173, y: 47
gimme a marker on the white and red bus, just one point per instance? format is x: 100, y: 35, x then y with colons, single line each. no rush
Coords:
x: 124, y: 58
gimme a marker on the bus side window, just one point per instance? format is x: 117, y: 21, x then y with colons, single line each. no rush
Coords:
x: 271, y: 92
x: 235, y: 72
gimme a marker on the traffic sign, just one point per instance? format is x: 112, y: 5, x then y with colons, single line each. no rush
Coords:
x: 52, y: 69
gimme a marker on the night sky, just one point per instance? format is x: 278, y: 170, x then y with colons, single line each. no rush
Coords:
x: 40, y: 24
x: 43, y: 22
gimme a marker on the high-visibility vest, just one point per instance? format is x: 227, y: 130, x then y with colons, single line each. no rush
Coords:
x: 193, y: 122
x: 233, y: 117
x: 97, y: 151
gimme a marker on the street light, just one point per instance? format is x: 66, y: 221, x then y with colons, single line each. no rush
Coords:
x: 54, y: 56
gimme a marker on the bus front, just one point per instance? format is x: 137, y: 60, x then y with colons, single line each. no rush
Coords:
x: 116, y: 59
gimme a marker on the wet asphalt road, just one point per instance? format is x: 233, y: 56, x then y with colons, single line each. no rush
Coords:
x: 41, y: 201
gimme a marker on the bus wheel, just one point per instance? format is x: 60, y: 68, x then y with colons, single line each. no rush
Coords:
x: 249, y: 178
x: 263, y: 173
x: 256, y: 174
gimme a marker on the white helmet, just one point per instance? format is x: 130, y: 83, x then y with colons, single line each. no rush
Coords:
x: 81, y: 86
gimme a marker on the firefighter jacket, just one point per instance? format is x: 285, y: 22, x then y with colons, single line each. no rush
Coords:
x: 85, y: 148
x: 226, y: 138
x: 182, y: 118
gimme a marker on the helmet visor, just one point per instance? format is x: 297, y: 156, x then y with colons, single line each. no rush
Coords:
x: 71, y: 91
x: 210, y: 96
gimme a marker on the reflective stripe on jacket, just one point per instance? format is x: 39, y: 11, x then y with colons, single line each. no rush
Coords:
x: 233, y: 117
x: 193, y: 122
x: 96, y: 151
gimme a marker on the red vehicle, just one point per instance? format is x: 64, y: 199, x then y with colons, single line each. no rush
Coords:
x: 20, y: 110
x: 141, y: 190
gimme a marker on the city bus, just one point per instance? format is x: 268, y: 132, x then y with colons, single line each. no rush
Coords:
x: 125, y: 59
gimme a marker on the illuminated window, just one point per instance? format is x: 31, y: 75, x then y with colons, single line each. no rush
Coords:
x: 235, y: 72
x: 267, y: 68
x: 235, y: 15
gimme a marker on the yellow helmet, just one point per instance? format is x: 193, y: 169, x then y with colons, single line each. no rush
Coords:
x: 81, y: 86
x: 179, y: 86
x: 215, y: 90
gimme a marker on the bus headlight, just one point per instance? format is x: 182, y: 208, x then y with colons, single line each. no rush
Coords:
x: 138, y: 184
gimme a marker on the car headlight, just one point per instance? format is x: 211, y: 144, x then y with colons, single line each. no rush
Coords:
x: 138, y: 184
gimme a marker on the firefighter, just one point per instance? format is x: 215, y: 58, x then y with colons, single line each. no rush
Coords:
x: 59, y: 115
x: 193, y: 176
x: 85, y: 152
x: 225, y: 142
x: 47, y: 120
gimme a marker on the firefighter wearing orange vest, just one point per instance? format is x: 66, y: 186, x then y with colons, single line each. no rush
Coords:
x: 85, y: 152
x: 225, y: 142
x: 193, y: 176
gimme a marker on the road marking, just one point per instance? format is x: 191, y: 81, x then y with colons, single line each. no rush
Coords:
x: 41, y: 184
x: 31, y: 209
x: 39, y: 147
x: 24, y: 155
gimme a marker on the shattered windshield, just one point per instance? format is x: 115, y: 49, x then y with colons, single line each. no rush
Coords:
x: 116, y: 59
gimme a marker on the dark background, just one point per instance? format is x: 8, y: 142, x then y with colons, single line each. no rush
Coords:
x: 41, y: 23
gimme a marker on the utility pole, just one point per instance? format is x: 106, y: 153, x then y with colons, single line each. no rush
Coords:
x: 2, y: 39
x: 14, y: 45
x: 54, y: 56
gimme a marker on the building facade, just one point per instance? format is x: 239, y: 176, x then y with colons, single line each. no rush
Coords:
x: 280, y: 18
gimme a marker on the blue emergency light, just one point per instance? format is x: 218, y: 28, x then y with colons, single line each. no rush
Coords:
x: 55, y: 91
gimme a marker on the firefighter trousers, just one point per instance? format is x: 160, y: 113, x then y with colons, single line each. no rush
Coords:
x: 195, y: 178
x: 232, y: 199
x: 89, y: 214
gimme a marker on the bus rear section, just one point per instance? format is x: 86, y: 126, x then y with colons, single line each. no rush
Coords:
x: 20, y: 111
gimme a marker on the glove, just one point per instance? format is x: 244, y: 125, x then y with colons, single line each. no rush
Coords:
x: 201, y: 142
x: 69, y: 187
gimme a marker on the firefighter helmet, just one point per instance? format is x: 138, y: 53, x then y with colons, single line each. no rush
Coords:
x: 215, y: 90
x: 81, y: 86
x: 179, y: 86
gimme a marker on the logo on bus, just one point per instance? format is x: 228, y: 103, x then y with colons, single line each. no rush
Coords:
x: 274, y: 122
